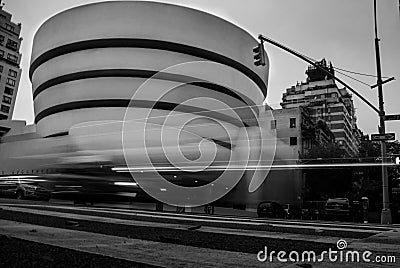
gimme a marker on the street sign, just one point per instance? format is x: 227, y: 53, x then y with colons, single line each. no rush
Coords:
x: 383, y: 137
x: 392, y: 117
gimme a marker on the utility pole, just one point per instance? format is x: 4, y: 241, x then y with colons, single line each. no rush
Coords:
x: 386, y: 216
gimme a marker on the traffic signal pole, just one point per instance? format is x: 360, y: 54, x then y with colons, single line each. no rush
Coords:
x: 386, y: 216
x: 291, y: 51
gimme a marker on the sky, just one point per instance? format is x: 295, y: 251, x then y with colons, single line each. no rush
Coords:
x: 342, y: 31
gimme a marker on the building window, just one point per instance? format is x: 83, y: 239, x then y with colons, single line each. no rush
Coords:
x: 5, y: 108
x: 7, y: 99
x: 1, y: 38
x: 9, y: 27
x: 1, y: 53
x: 273, y: 124
x: 12, y: 73
x: 10, y: 82
x: 293, y: 141
x: 292, y: 122
x: 2, y: 117
x: 11, y: 44
x: 1, y: 68
x: 12, y: 58
x: 9, y: 91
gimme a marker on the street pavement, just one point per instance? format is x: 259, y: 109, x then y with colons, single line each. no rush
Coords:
x: 385, y: 242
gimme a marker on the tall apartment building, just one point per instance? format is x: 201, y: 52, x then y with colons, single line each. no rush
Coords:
x: 325, y: 101
x: 10, y: 71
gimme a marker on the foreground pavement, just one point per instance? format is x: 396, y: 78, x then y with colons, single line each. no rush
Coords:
x: 135, y: 250
x: 381, y: 250
x: 137, y: 246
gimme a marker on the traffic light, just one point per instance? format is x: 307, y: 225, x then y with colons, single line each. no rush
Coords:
x: 259, y: 55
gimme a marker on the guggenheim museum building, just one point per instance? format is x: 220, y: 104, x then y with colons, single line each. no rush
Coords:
x: 164, y: 97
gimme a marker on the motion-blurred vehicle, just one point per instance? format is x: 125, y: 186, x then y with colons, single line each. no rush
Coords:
x: 25, y: 190
x: 337, y: 208
x: 292, y: 211
x: 270, y: 209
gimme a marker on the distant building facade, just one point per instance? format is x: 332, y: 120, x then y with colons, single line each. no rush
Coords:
x: 296, y: 133
x: 10, y: 71
x: 327, y: 102
x: 296, y: 128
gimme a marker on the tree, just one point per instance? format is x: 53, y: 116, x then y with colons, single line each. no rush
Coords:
x: 370, y: 181
x: 329, y: 178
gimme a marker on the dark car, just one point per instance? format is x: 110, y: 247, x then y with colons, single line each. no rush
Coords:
x: 24, y: 190
x: 337, y: 208
x: 270, y: 209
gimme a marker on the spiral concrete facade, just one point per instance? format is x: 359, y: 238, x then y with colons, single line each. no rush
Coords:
x: 90, y: 71
x: 88, y: 61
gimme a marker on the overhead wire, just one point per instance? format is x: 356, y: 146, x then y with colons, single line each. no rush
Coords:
x: 362, y: 82
x: 363, y: 74
x: 344, y: 70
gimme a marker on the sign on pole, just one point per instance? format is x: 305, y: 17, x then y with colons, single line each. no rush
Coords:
x: 383, y: 137
x: 392, y: 117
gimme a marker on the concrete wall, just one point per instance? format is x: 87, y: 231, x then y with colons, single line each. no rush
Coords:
x: 284, y: 182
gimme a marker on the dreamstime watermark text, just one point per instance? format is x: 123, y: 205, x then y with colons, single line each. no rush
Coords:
x: 338, y: 254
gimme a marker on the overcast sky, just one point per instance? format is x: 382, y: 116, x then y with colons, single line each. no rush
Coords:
x: 340, y: 31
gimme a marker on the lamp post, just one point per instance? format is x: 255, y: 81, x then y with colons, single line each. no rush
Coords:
x: 386, y: 217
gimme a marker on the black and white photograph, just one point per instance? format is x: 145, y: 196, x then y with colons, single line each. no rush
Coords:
x: 199, y: 133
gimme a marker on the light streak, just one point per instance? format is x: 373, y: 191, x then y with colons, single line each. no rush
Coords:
x: 250, y: 167
x: 123, y: 183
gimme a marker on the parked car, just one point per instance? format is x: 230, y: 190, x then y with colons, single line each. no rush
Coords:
x: 338, y: 208
x: 270, y: 209
x: 292, y: 211
x: 22, y: 190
